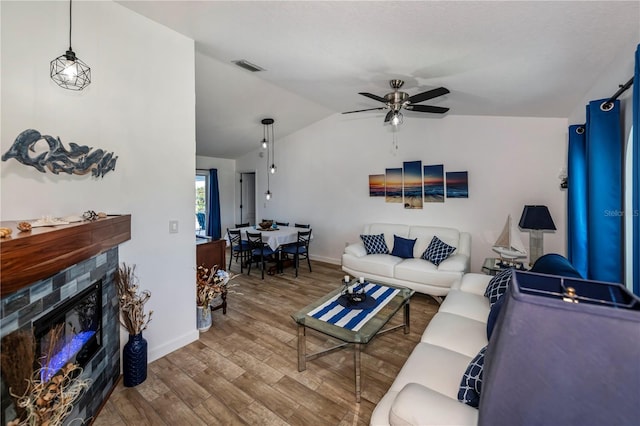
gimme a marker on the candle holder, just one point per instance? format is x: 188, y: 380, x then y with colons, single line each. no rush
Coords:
x: 354, y: 293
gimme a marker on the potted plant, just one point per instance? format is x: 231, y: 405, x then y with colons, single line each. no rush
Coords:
x: 133, y: 318
x: 210, y: 283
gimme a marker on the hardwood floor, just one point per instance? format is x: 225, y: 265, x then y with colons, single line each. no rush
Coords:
x: 243, y: 371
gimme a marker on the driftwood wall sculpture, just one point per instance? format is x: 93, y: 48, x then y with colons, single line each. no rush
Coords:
x: 79, y: 159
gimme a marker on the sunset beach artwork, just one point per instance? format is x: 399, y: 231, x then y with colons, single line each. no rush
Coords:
x: 434, y: 183
x: 393, y: 185
x: 412, y: 184
x: 457, y: 185
x: 376, y: 186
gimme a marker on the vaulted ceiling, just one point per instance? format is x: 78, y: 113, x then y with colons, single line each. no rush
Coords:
x: 509, y: 58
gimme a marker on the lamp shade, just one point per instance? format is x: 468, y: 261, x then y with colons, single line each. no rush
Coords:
x: 536, y: 217
x: 564, y: 351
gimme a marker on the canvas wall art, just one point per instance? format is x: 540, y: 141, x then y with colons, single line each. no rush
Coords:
x: 412, y: 184
x: 376, y: 186
x: 457, y: 185
x: 393, y: 185
x: 434, y: 183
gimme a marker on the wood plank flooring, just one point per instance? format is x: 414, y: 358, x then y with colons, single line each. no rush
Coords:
x: 243, y: 371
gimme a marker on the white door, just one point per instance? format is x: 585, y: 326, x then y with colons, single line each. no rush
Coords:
x: 248, y: 198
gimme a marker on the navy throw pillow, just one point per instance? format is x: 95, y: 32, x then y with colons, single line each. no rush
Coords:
x: 437, y: 251
x: 493, y: 316
x: 471, y: 383
x: 403, y: 247
x: 374, y: 244
x: 498, y: 285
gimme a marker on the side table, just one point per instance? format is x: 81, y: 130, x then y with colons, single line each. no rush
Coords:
x: 491, y: 266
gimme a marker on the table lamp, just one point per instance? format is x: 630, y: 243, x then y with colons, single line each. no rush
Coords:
x: 564, y: 351
x: 536, y: 219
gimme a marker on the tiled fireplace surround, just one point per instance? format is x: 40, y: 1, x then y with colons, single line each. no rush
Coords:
x: 20, y: 309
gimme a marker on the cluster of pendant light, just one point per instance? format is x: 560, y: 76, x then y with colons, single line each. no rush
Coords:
x: 67, y: 70
x: 268, y: 143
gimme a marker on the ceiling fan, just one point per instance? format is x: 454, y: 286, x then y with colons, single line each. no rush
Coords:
x: 397, y: 100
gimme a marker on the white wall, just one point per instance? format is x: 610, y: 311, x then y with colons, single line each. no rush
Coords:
x: 323, y: 172
x: 226, y: 187
x: 140, y: 105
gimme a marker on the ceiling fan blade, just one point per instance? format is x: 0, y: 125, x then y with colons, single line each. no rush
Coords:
x: 429, y: 94
x: 427, y: 108
x: 388, y: 116
x: 362, y: 110
x: 374, y: 97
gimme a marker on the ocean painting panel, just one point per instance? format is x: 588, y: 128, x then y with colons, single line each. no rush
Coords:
x: 434, y: 183
x: 393, y: 185
x: 412, y: 184
x: 376, y: 185
x: 457, y: 185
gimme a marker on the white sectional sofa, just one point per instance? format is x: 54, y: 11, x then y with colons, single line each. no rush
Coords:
x: 415, y: 273
x: 425, y: 392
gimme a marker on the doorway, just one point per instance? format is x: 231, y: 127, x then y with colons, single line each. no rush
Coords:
x: 248, y: 197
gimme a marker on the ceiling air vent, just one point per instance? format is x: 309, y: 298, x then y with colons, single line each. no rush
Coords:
x: 247, y: 65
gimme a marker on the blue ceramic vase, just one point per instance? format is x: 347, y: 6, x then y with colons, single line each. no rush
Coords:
x: 134, y: 360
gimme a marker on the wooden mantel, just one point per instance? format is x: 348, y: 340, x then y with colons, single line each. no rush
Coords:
x: 27, y: 257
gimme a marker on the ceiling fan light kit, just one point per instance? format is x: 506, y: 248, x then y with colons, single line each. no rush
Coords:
x: 397, y: 100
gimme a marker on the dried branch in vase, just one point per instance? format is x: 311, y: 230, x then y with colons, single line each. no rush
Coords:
x: 210, y: 283
x: 132, y: 316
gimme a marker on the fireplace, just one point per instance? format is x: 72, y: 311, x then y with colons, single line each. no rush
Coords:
x: 80, y: 323
x: 65, y: 275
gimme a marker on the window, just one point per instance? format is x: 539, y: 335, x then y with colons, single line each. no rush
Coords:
x: 202, y: 183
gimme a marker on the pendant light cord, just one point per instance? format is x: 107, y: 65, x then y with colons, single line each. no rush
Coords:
x: 70, y: 1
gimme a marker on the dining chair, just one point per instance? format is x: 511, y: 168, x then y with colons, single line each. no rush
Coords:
x: 259, y: 251
x: 300, y: 249
x: 243, y: 225
x: 282, y: 223
x: 300, y: 225
x: 239, y: 247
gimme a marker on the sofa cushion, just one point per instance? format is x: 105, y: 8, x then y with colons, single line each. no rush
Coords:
x: 498, y: 285
x: 471, y: 383
x: 454, y: 263
x: 374, y: 264
x: 422, y: 272
x: 374, y: 244
x: 418, y: 405
x: 435, y: 367
x: 555, y: 264
x: 457, y: 333
x: 388, y: 230
x: 403, y: 247
x: 437, y: 251
x: 465, y: 304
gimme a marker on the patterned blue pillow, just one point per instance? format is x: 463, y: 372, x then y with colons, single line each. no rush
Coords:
x: 498, y: 286
x: 374, y: 244
x: 437, y: 251
x: 403, y: 247
x: 471, y: 383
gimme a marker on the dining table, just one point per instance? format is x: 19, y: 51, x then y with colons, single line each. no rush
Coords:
x: 273, y: 237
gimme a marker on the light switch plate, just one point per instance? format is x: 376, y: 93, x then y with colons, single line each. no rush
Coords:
x: 173, y: 226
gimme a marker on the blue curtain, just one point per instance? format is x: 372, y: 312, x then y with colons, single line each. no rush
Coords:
x: 636, y: 176
x: 214, y: 230
x: 577, y: 238
x: 600, y: 199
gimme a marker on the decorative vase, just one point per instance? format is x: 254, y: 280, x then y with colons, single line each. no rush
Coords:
x: 134, y: 360
x: 204, y: 319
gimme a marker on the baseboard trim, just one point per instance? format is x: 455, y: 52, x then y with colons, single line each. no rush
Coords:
x: 326, y: 259
x: 168, y: 347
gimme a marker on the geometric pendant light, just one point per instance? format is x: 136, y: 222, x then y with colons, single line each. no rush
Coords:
x: 67, y: 70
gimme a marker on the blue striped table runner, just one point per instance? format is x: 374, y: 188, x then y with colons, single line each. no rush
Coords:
x: 353, y: 319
